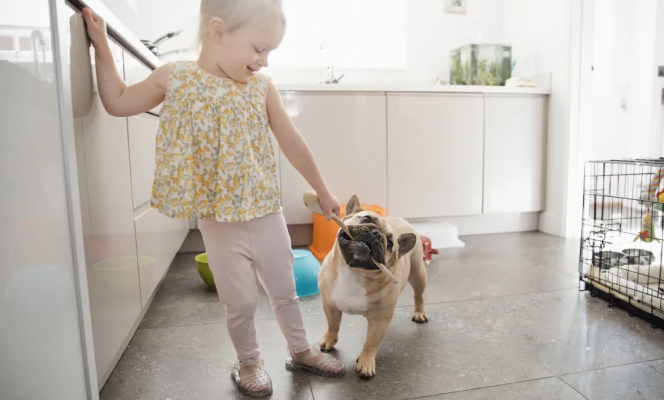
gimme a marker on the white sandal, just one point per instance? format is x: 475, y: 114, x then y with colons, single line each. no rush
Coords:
x: 327, y: 366
x: 254, y: 384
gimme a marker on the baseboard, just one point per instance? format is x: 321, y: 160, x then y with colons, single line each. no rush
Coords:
x: 302, y: 235
x: 551, y: 224
x: 485, y: 224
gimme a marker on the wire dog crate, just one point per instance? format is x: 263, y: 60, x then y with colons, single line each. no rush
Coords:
x: 622, y: 235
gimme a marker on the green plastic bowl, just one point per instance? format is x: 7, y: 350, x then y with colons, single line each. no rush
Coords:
x: 204, y: 271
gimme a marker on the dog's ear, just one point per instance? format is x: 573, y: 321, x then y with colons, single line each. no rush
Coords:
x: 353, y: 206
x: 406, y: 243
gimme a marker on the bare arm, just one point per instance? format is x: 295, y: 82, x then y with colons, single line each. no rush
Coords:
x: 119, y: 99
x: 297, y: 151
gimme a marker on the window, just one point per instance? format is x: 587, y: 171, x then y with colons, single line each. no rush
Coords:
x: 361, y: 33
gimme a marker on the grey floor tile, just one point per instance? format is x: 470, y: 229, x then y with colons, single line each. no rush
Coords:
x: 455, y: 279
x: 643, y: 381
x: 503, y: 322
x: 568, y: 331
x: 518, y: 243
x: 185, y: 363
x: 535, y: 248
x: 541, y: 389
x: 501, y: 265
x: 450, y: 353
x: 184, y: 299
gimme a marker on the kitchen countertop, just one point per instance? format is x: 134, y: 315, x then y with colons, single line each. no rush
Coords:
x: 129, y: 41
x: 417, y: 88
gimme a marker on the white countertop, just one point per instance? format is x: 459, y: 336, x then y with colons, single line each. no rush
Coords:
x: 417, y: 88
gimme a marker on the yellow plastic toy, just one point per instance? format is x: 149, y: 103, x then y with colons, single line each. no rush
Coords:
x: 660, y: 196
x: 647, y: 234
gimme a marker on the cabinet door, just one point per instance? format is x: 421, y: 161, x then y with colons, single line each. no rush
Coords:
x: 514, y: 153
x: 434, y: 154
x: 346, y: 133
x: 43, y: 336
x: 108, y: 228
x: 136, y: 71
x: 158, y: 239
x: 142, y: 135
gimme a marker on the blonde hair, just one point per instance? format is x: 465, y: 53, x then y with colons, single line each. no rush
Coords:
x: 236, y: 13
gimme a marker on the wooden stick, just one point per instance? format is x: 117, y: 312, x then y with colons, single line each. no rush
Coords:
x: 385, y: 271
x: 313, y: 203
x: 342, y: 225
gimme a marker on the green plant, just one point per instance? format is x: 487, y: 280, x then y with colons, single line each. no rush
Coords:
x: 466, y: 68
x: 485, y: 78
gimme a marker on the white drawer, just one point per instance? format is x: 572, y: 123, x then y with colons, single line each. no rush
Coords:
x: 158, y: 239
x: 142, y: 135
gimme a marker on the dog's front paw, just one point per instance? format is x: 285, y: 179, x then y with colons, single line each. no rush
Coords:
x: 420, y: 317
x: 328, y: 342
x: 366, y: 366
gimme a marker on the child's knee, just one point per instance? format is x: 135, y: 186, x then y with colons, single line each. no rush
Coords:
x: 244, y: 308
x: 285, y: 300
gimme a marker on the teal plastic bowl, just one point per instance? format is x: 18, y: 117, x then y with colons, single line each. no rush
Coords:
x: 305, y: 268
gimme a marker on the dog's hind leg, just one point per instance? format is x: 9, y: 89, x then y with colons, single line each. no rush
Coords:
x: 418, y: 280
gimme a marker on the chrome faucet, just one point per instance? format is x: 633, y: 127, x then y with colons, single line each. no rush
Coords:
x: 154, y: 46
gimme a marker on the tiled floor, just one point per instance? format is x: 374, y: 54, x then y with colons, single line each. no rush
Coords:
x: 506, y: 322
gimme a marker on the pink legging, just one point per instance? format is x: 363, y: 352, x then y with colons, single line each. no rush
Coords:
x: 239, y: 251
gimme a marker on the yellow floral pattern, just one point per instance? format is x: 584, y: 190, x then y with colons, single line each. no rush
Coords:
x: 214, y: 155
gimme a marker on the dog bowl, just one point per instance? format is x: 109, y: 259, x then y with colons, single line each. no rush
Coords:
x: 204, y: 271
x: 305, y: 269
x: 639, y: 256
x: 606, y: 259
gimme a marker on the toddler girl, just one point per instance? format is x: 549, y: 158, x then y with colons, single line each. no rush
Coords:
x: 215, y: 163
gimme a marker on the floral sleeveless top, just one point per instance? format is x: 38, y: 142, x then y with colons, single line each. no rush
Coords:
x: 214, y: 155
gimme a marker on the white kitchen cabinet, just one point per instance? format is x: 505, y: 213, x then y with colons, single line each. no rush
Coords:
x: 108, y: 228
x: 434, y: 154
x: 158, y: 239
x: 514, y: 153
x: 44, y: 333
x: 142, y: 135
x: 346, y: 133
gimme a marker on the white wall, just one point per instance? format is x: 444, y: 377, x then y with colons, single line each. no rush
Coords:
x: 540, y: 35
x: 430, y: 35
x: 620, y: 111
x: 658, y: 85
x: 617, y: 118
